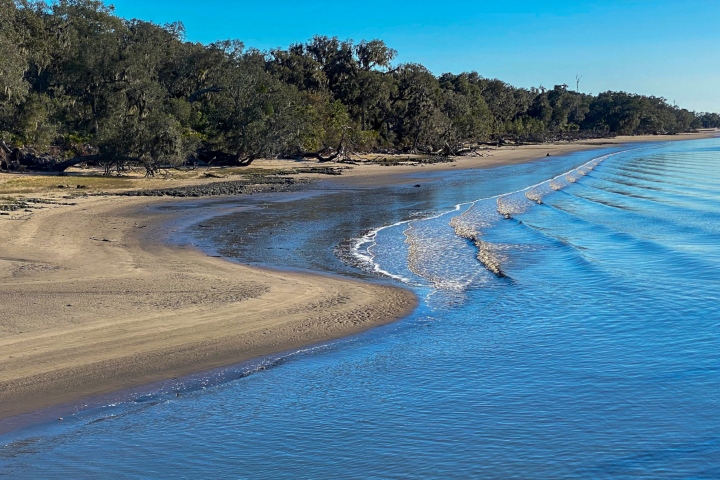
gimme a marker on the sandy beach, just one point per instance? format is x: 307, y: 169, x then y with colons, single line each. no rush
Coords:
x: 91, y: 304
x: 378, y: 175
x: 92, y: 300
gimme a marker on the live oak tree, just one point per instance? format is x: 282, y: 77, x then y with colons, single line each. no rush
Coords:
x: 78, y: 83
x: 14, y: 64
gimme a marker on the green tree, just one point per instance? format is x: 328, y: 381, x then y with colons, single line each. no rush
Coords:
x: 14, y: 55
x: 255, y: 115
x: 466, y: 108
x: 418, y: 120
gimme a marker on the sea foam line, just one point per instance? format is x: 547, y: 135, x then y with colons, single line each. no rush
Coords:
x: 362, y: 249
x: 370, y: 239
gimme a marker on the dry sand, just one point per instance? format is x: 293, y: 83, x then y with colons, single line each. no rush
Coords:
x: 378, y: 175
x: 92, y: 301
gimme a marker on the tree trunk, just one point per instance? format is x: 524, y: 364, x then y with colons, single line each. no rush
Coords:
x: 338, y: 151
x: 244, y: 162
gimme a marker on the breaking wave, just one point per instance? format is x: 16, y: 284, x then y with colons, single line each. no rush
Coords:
x: 436, y: 248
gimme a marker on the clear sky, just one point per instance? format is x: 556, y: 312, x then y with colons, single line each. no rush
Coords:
x: 666, y: 48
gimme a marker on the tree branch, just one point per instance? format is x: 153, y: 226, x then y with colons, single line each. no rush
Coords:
x: 195, y: 96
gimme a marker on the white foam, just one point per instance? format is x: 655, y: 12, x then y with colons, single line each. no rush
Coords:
x: 363, y: 247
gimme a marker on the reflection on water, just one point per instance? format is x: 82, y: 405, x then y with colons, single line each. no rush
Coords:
x: 595, y: 352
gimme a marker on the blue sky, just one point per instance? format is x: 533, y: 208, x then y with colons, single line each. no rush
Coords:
x: 663, y: 48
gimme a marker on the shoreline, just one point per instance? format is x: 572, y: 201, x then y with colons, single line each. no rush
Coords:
x: 379, y: 176
x: 101, y: 307
x: 94, y: 302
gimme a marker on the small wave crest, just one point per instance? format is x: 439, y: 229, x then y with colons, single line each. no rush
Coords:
x: 537, y: 193
x: 513, y: 204
x: 469, y: 225
x: 438, y: 255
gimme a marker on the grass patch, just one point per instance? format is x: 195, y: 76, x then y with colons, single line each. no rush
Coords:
x: 77, y: 183
x: 41, y: 183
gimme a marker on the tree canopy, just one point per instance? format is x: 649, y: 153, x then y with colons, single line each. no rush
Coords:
x: 75, y: 79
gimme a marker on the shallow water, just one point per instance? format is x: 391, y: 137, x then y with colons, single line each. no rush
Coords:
x: 578, y: 337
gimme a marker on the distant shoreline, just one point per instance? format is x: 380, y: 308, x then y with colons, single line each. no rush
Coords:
x: 374, y: 175
x: 92, y: 301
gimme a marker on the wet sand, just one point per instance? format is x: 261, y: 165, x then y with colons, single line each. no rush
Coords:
x: 92, y: 300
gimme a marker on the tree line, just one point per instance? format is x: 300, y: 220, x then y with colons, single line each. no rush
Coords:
x: 77, y: 82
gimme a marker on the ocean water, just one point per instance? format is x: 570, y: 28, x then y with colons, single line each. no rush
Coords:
x: 568, y: 327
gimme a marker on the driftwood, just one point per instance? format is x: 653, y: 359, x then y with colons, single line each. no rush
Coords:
x: 62, y: 166
x: 320, y: 158
x: 223, y: 159
x: 333, y: 153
